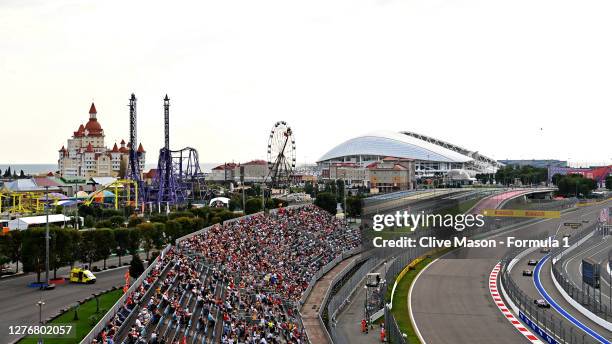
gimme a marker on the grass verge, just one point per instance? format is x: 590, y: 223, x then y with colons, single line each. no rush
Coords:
x: 400, y: 299
x: 83, y: 325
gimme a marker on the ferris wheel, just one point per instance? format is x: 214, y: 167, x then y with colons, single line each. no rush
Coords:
x: 281, y: 155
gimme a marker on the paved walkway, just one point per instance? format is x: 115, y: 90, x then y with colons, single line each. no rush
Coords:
x: 348, y: 325
x: 310, y: 310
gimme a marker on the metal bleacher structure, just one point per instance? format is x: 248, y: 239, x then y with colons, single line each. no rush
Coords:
x: 206, y: 322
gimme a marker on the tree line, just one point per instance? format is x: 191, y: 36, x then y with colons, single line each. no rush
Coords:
x: 574, y: 185
x: 13, y: 174
x: 510, y: 174
x: 67, y: 246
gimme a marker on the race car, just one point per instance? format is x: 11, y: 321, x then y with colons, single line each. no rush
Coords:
x: 545, y: 250
x: 532, y: 262
x: 79, y: 275
x: 527, y: 272
x: 541, y: 303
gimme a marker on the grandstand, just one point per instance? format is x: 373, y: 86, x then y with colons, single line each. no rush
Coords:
x: 240, y: 282
x: 431, y: 156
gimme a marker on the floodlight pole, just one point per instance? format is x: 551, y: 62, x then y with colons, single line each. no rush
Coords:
x: 47, y: 237
x: 243, y: 200
x: 40, y: 304
x: 610, y: 280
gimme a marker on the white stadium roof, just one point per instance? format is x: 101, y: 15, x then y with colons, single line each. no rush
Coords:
x: 389, y: 143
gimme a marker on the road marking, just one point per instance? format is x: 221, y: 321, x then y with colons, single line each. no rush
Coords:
x: 497, y: 299
x: 559, y: 309
x: 412, y: 319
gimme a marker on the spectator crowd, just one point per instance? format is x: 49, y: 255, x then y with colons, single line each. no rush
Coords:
x: 240, y: 282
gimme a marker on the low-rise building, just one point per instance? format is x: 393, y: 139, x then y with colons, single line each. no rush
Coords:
x: 250, y: 172
x: 391, y: 174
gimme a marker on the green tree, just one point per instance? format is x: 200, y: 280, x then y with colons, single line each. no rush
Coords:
x: 147, y: 233
x: 106, y: 243
x: 58, y: 245
x: 252, y: 205
x: 327, y: 201
x: 556, y: 178
x: 134, y: 221
x: 175, y: 215
x: 575, y: 185
x: 172, y: 230
x: 527, y: 175
x: 340, y: 190
x: 122, y: 240
x: 158, y: 237
x: 89, y: 221
x: 136, y: 266
x: 309, y: 189
x: 110, y: 213
x: 11, y: 246
x: 88, y: 251
x: 354, y: 205
x: 33, y: 251
x: 72, y: 247
x: 609, y: 182
x: 134, y: 241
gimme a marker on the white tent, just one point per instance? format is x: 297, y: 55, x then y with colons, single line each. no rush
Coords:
x: 216, y: 200
x: 102, y: 180
x: 24, y: 222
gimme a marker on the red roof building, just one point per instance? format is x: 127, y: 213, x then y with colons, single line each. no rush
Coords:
x: 76, y: 160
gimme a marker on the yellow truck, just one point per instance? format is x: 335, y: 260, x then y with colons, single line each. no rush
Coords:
x: 79, y: 275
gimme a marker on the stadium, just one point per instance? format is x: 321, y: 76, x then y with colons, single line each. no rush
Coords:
x: 431, y: 156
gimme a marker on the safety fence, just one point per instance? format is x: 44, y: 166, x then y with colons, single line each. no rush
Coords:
x: 119, y: 304
x: 553, y: 326
x: 344, y: 255
x: 550, y: 326
x: 340, y: 298
x: 588, y: 297
x: 394, y: 334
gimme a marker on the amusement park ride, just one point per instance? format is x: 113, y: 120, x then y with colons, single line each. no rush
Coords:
x: 178, y: 178
x: 281, y: 156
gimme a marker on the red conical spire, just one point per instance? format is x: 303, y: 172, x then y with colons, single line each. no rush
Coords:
x: 140, y: 149
x: 92, y: 109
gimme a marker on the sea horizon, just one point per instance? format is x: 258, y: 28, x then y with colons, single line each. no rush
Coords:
x: 33, y: 169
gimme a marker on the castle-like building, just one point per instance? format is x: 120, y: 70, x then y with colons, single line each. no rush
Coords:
x: 87, y: 156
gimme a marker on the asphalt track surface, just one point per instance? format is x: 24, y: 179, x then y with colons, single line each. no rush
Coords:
x: 450, y: 300
x: 526, y: 284
x: 597, y: 249
x: 18, y: 301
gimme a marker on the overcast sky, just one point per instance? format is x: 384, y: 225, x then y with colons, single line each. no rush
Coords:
x: 510, y: 79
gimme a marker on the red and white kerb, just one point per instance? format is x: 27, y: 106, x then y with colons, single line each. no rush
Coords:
x: 504, y: 309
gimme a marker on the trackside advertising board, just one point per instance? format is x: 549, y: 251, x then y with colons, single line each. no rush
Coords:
x: 539, y: 331
x: 522, y: 213
x: 590, y: 272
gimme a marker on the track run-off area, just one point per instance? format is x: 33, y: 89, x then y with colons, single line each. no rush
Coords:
x: 450, y: 300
